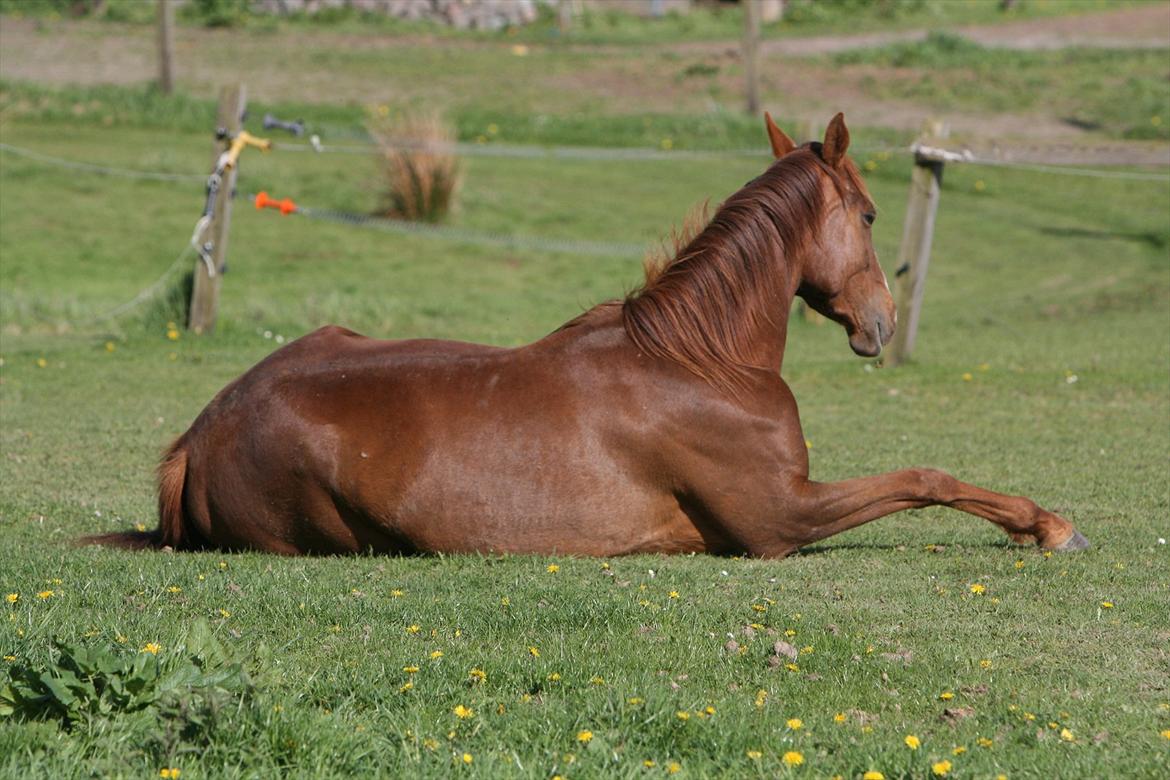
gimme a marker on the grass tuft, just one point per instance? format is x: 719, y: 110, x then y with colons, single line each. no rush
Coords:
x: 421, y: 174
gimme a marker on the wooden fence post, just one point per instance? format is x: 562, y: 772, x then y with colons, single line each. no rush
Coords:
x: 166, y: 46
x: 751, y: 54
x: 914, y: 251
x: 205, y: 292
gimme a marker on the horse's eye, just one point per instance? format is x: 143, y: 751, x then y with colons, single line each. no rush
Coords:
x: 869, y: 217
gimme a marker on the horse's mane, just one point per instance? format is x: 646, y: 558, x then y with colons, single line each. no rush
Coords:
x: 703, y: 307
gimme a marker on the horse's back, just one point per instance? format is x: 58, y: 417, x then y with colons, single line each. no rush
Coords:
x: 339, y: 442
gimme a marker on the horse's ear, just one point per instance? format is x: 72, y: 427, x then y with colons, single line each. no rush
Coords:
x: 836, y: 141
x: 781, y: 143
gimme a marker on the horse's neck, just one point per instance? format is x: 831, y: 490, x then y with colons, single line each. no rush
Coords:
x: 767, y: 314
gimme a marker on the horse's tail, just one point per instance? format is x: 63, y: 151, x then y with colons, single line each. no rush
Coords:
x: 172, y: 475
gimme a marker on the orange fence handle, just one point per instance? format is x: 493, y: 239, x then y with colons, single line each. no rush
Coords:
x: 286, y: 206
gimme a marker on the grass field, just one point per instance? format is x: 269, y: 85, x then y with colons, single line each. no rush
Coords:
x: 1029, y: 289
x: 1043, y: 368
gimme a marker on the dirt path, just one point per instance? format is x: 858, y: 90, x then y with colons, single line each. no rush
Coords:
x: 1129, y: 28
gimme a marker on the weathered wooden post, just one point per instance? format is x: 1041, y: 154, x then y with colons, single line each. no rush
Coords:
x: 917, y: 234
x: 166, y: 46
x: 205, y: 292
x: 751, y: 54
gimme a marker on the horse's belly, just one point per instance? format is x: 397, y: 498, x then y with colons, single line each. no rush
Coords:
x: 484, y: 510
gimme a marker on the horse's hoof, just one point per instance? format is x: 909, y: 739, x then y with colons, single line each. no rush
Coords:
x: 1075, y: 542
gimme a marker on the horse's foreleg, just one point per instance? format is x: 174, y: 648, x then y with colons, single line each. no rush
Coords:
x: 827, y: 508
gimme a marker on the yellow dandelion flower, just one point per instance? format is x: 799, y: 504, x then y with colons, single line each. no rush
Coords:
x: 477, y: 675
x: 412, y: 629
x: 9, y: 658
x: 946, y: 695
x: 667, y: 144
x: 1019, y: 564
x: 759, y: 608
x: 170, y: 772
x: 709, y: 710
x: 1067, y: 735
x: 673, y: 768
x: 410, y: 669
x: 755, y: 755
x: 1165, y: 734
x: 871, y: 165
x: 673, y: 594
x: 761, y: 698
x: 45, y: 594
x: 42, y: 363
x: 912, y: 742
x: 225, y: 614
x: 793, y: 758
x: 792, y: 667
x: 1001, y: 777
x: 959, y: 750
x: 1106, y: 605
x: 980, y: 185
x: 174, y: 589
x: 790, y: 632
x: 534, y: 652
x: 584, y: 736
x: 978, y: 589
x: 12, y: 598
x: 436, y: 654
x: 985, y: 664
x: 796, y: 724
x: 152, y: 648
x: 520, y: 50
x: 941, y: 768
x: 649, y: 763
x: 873, y: 774
x: 984, y: 742
x: 141, y: 528
x: 397, y: 594
x: 683, y: 715
x: 634, y: 701
x: 467, y: 759
x: 552, y: 568
x: 554, y: 677
x: 839, y: 717
x: 406, y: 686
x: 173, y: 334
x: 463, y: 713
x: 1029, y: 716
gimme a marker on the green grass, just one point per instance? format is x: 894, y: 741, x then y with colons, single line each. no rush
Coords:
x: 486, y: 122
x: 1124, y: 93
x: 1035, y: 280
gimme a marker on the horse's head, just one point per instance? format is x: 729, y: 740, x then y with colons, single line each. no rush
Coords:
x: 839, y: 273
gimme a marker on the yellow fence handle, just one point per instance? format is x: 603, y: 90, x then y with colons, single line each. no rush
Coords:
x: 242, y: 139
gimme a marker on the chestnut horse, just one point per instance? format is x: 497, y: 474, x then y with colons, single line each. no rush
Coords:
x: 659, y: 423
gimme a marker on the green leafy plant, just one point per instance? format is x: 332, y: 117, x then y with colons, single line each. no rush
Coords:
x: 99, y: 681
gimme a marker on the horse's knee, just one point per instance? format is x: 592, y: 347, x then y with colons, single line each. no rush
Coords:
x: 934, y: 485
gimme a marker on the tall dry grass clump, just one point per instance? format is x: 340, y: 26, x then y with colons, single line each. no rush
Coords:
x: 421, y: 173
